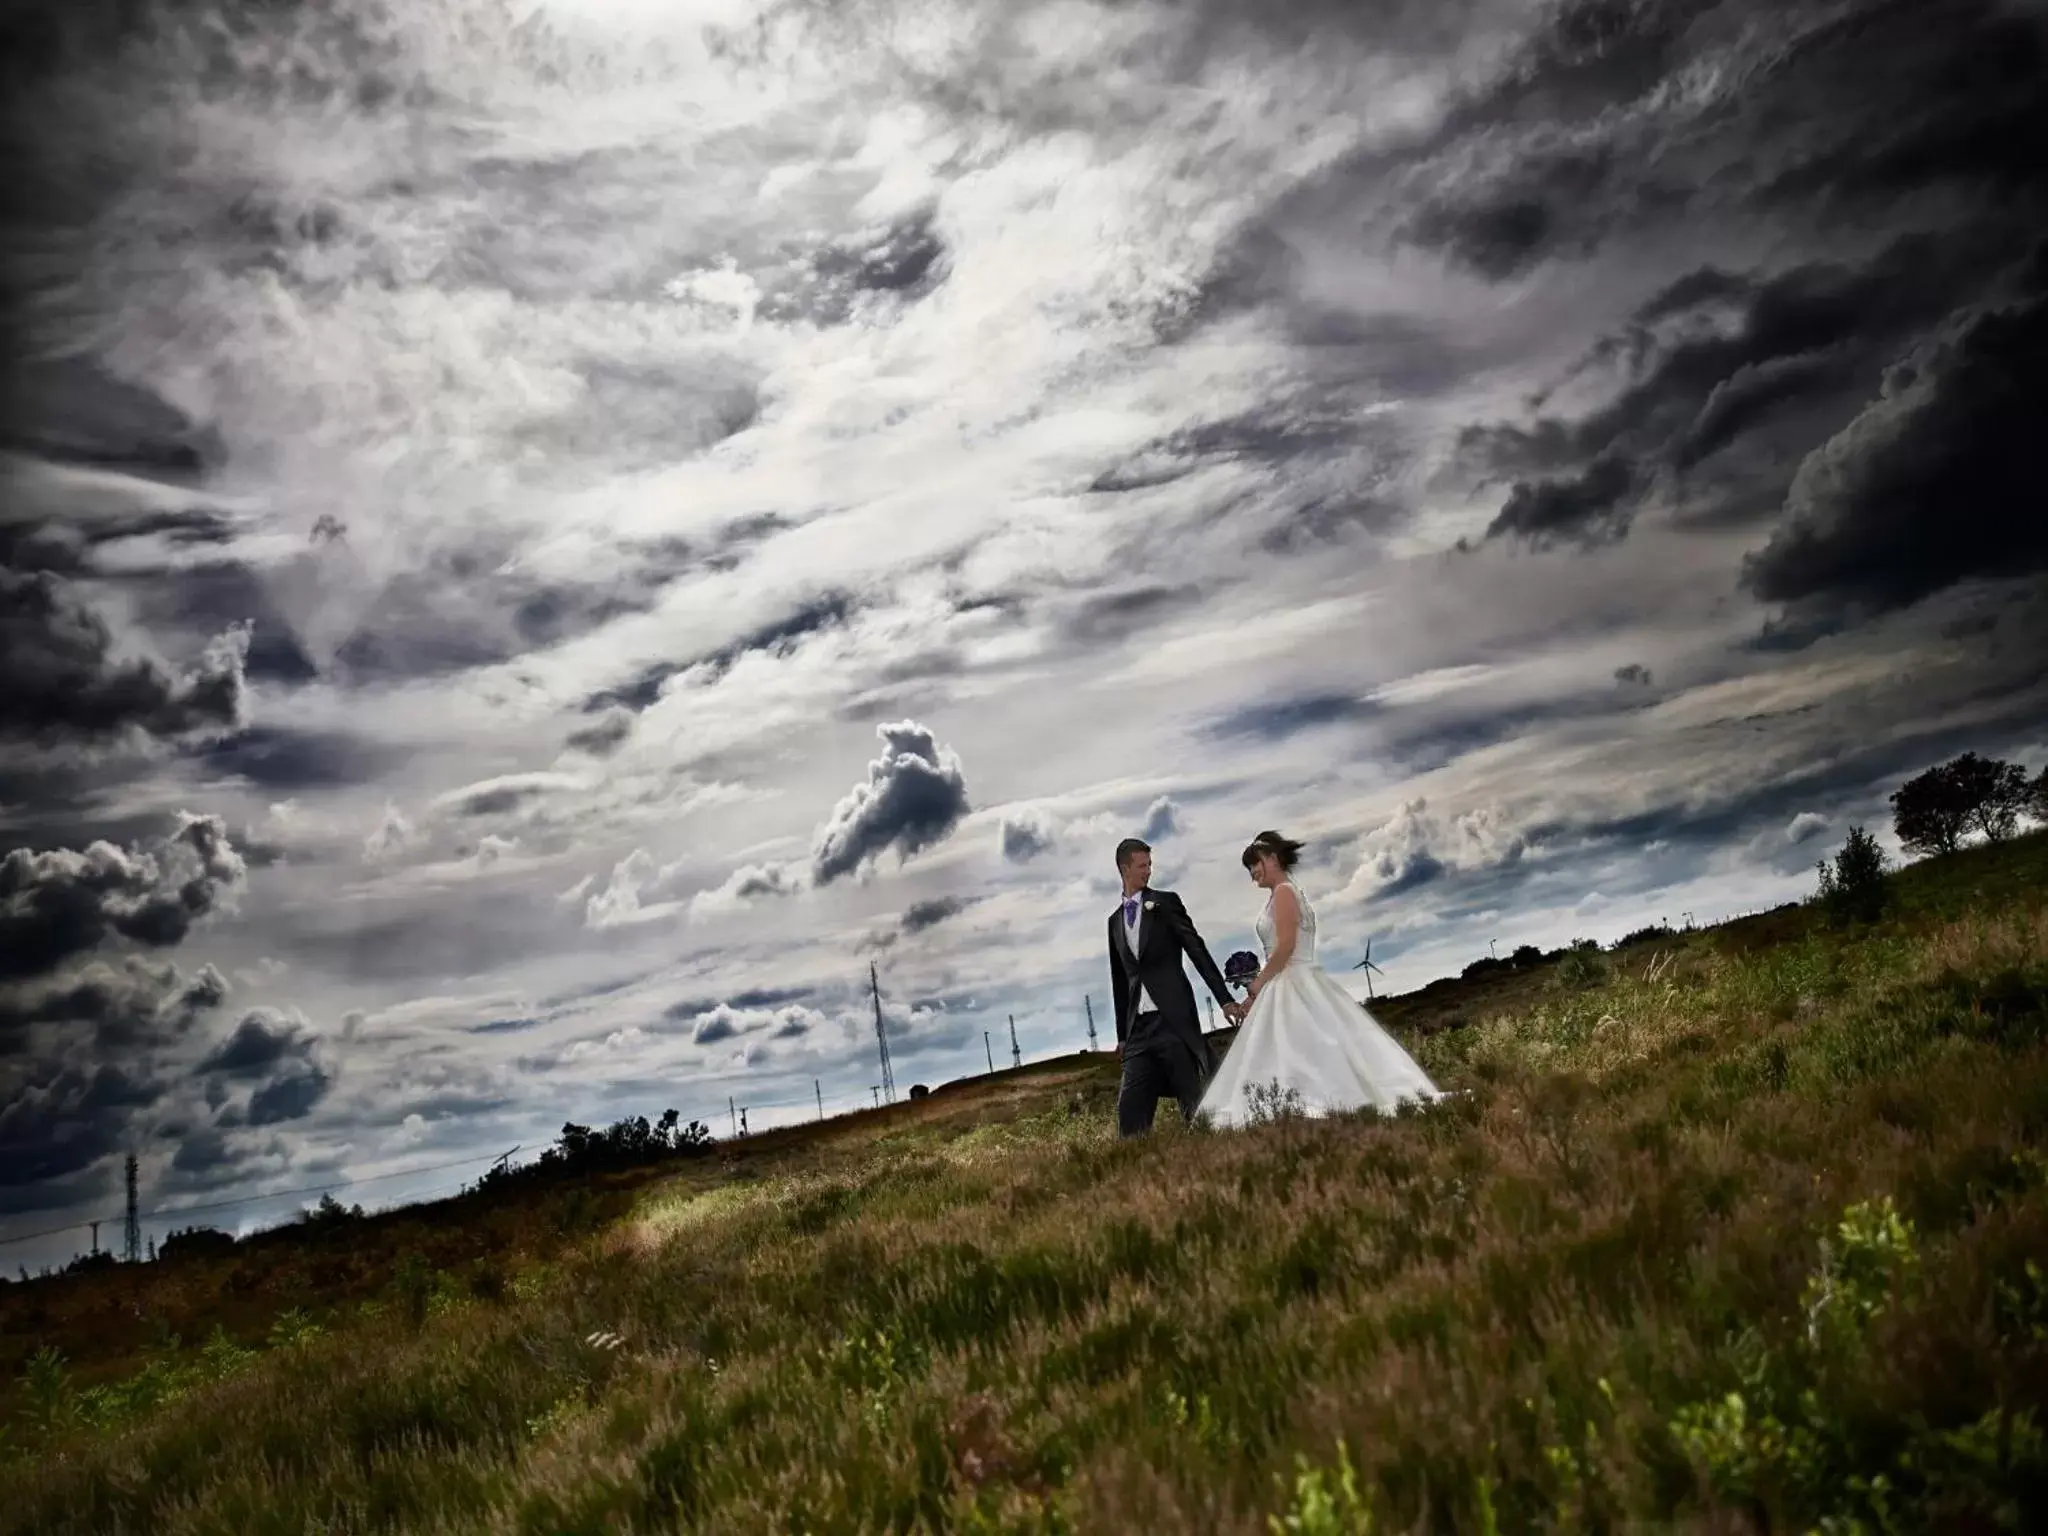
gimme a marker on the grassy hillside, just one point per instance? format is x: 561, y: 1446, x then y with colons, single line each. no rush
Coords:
x: 1743, y: 1230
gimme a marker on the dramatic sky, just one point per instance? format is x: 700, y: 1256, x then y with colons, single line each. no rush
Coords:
x: 538, y: 542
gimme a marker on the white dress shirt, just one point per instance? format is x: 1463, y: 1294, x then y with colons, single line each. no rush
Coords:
x: 1134, y: 920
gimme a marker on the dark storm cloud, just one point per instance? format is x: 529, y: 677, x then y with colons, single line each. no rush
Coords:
x: 1162, y: 820
x: 264, y: 1040
x: 1105, y: 617
x: 1796, y: 352
x: 285, y: 758
x: 605, y: 735
x: 1026, y: 836
x: 1549, y: 203
x: 60, y: 1122
x: 1282, y: 718
x: 1635, y: 674
x: 503, y: 1026
x: 779, y: 638
x: 278, y: 1055
x: 60, y: 903
x: 825, y: 285
x: 914, y: 796
x: 1921, y: 121
x: 86, y: 1032
x: 292, y: 1096
x: 714, y: 1027
x: 1400, y: 873
x: 209, y: 597
x: 72, y: 411
x: 69, y: 688
x: 1937, y: 481
x: 1583, y: 506
x: 500, y: 796
x: 125, y: 1006
x: 465, y: 608
x: 920, y: 915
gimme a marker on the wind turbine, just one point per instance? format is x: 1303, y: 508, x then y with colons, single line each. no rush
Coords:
x: 1368, y: 967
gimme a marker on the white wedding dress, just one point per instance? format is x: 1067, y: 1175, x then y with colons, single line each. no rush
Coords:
x: 1306, y: 1034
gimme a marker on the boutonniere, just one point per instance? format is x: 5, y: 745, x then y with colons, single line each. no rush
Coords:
x: 1150, y: 905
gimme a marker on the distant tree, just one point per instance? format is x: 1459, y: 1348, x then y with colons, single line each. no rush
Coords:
x: 625, y: 1144
x: 1854, y: 890
x: 1525, y: 954
x: 1933, y: 812
x: 330, y: 1212
x: 195, y: 1242
x: 919, y: 1090
x: 2037, y: 796
x: 1644, y: 935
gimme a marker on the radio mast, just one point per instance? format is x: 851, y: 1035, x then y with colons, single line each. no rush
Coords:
x: 882, y: 1036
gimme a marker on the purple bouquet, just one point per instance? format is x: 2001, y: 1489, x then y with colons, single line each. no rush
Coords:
x: 1240, y: 968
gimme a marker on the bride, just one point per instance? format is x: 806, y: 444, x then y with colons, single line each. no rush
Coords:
x: 1304, y: 1033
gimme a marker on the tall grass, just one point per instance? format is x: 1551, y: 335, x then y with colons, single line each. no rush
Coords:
x: 1720, y: 1242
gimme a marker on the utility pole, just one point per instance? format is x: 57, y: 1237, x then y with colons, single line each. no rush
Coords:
x: 95, y: 1239
x: 743, y: 1122
x: 1089, y: 1003
x: 819, y: 1089
x: 991, y: 1050
x: 876, y: 1090
x: 133, y: 1244
x: 1016, y: 1055
x: 882, y: 1035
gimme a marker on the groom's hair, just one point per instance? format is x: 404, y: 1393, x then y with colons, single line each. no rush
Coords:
x: 1129, y: 849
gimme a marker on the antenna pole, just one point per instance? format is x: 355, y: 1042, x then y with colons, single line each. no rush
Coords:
x: 882, y: 1035
x: 133, y: 1236
x: 991, y: 1050
x: 819, y: 1089
x: 1016, y: 1055
x: 1089, y: 1003
x: 732, y: 1114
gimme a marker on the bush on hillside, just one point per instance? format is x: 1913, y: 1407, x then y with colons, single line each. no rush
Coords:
x: 1854, y: 890
x: 1582, y: 966
x: 1644, y: 935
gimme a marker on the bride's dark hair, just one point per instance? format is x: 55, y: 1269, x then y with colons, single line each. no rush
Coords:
x: 1285, y: 849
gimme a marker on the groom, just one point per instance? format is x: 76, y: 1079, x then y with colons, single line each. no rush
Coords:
x: 1158, y: 1037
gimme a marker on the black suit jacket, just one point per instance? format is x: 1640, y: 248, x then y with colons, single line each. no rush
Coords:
x: 1166, y: 937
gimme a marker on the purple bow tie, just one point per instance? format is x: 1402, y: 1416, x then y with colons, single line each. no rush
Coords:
x: 1130, y: 908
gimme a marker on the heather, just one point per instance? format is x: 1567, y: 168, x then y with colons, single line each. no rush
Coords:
x: 1737, y: 1229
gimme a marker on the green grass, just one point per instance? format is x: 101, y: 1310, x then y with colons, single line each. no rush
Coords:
x: 1746, y: 1236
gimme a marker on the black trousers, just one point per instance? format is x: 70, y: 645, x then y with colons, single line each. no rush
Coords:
x: 1157, y: 1065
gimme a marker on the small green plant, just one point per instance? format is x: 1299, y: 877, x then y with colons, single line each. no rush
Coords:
x: 221, y: 1357
x: 1873, y: 1250
x: 293, y: 1328
x: 1321, y: 1505
x: 51, y: 1401
x: 1198, y: 1418
x: 414, y: 1281
x: 1270, y: 1103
